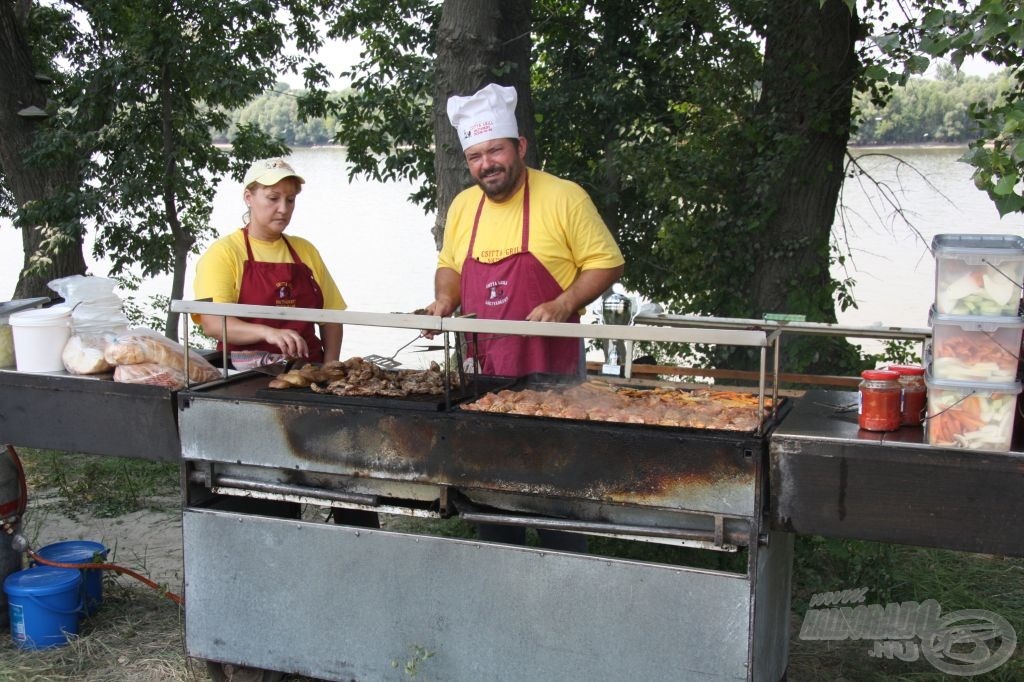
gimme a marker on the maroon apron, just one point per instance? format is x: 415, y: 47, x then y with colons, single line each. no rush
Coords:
x: 509, y: 289
x: 283, y: 284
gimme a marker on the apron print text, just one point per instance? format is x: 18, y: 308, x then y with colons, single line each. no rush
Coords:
x: 497, y: 293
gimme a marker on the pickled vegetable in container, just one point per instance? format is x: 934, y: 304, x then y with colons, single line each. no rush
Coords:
x: 978, y: 274
x: 971, y: 415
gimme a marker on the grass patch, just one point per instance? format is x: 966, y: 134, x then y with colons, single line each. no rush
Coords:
x: 102, y: 486
x: 135, y: 635
x: 899, y: 573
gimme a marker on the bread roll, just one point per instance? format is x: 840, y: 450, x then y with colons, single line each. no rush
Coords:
x: 147, y: 346
x: 84, y: 354
x: 150, y: 373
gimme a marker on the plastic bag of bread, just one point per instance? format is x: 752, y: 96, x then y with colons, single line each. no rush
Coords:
x: 84, y: 354
x: 152, y: 374
x: 137, y: 346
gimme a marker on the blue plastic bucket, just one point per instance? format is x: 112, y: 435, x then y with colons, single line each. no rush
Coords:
x: 81, y: 552
x: 44, y: 603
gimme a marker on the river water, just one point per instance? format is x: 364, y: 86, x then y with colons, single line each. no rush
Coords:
x: 380, y: 250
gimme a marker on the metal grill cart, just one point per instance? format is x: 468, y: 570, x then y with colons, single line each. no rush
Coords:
x: 830, y: 478
x: 346, y: 603
x: 91, y: 415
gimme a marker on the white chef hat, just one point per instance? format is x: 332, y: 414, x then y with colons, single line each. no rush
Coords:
x: 488, y: 114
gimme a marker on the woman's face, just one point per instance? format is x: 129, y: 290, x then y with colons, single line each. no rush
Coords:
x: 270, y: 208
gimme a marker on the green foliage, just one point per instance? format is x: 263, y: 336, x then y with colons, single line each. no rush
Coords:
x: 137, y: 87
x: 928, y: 110
x: 384, y: 121
x: 992, y: 30
x: 276, y: 113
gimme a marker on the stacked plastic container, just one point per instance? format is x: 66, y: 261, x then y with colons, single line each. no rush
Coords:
x: 973, y: 358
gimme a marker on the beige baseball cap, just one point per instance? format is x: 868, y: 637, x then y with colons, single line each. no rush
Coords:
x: 269, y: 172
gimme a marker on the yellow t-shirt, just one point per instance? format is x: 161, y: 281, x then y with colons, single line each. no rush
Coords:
x: 567, y: 234
x: 219, y: 269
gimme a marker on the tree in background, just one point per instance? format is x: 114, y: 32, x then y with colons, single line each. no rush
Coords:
x: 994, y: 30
x: 123, y: 137
x: 718, y: 170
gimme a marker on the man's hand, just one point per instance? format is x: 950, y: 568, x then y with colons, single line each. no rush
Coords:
x: 587, y: 287
x: 447, y: 291
x: 442, y: 307
x: 552, y: 311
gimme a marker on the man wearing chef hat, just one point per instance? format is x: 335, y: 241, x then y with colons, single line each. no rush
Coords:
x: 520, y: 245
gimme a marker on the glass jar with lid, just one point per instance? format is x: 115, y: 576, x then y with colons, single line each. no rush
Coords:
x: 913, y: 393
x: 879, y: 400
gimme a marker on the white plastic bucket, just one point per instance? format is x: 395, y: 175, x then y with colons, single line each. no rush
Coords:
x: 39, y: 338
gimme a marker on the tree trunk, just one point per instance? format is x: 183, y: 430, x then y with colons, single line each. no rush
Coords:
x: 183, y: 240
x: 809, y: 68
x: 52, y: 250
x: 478, y: 42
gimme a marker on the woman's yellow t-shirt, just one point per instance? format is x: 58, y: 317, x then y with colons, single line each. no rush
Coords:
x: 219, y: 269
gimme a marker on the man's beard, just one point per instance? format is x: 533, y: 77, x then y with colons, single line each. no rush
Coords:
x: 502, y: 190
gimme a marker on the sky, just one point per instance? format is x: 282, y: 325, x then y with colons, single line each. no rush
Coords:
x: 338, y: 55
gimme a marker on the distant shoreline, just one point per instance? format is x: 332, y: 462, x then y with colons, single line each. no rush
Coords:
x: 919, y: 145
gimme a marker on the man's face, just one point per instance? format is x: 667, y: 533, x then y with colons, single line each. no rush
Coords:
x: 497, y: 166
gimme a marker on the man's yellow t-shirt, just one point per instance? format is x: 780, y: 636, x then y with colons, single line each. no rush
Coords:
x: 219, y: 269
x: 567, y: 234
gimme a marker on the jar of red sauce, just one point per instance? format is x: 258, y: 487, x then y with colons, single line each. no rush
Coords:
x: 879, y: 404
x: 913, y: 393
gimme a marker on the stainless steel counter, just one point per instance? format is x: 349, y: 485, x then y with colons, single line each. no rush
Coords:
x: 830, y: 478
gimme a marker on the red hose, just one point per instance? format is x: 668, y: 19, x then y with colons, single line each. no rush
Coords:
x: 23, y: 504
x: 177, y: 599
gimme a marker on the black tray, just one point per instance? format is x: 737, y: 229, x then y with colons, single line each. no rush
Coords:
x: 430, y: 403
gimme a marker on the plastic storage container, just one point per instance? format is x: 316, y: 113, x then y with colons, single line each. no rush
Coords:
x: 975, y: 349
x: 7, y: 308
x: 40, y: 337
x: 879, y: 400
x: 971, y: 415
x: 978, y: 274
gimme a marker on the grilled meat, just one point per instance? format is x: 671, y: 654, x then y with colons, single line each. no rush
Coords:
x: 703, y: 409
x: 356, y: 376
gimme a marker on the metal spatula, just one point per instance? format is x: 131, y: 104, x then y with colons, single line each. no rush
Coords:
x: 389, y: 362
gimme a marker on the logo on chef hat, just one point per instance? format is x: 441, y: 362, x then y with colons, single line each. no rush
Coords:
x: 488, y: 114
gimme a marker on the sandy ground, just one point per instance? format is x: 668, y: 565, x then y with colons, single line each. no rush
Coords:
x: 147, y: 542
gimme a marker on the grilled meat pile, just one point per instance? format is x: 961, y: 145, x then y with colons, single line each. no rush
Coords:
x: 356, y: 376
x: 702, y: 409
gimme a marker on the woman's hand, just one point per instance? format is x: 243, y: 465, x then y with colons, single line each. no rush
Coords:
x: 289, y: 341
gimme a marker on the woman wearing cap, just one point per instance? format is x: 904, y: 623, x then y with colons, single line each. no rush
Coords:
x: 258, y: 265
